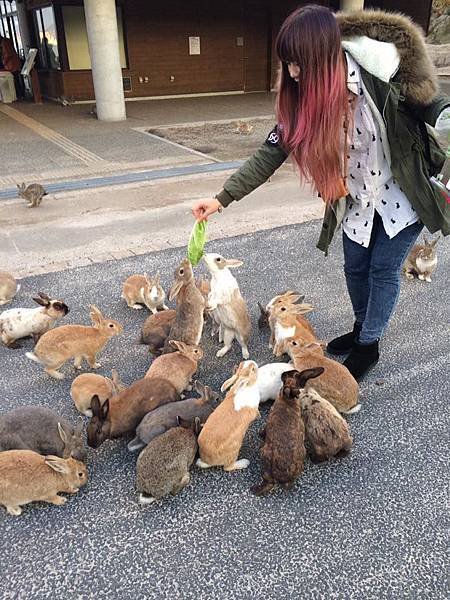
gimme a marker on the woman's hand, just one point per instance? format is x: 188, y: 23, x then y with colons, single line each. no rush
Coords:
x: 202, y: 209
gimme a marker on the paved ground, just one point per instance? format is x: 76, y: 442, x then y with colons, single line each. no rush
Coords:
x: 371, y: 526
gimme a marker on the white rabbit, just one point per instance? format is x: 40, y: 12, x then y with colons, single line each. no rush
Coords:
x: 230, y: 309
x: 269, y: 379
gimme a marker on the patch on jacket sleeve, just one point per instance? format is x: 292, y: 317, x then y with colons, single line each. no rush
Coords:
x: 274, y: 137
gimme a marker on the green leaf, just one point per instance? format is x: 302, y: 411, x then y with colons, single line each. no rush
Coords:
x: 197, y: 242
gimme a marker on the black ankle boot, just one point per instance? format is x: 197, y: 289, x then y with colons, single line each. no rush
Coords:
x: 362, y: 358
x: 344, y: 343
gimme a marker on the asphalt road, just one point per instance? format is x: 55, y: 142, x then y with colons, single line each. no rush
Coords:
x: 371, y: 526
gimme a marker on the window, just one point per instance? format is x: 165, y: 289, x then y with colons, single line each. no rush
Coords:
x: 77, y: 41
x: 9, y: 25
x: 47, y: 38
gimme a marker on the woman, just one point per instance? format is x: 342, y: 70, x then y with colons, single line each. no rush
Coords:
x: 351, y: 112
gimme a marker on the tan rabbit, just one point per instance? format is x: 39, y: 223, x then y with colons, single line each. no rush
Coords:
x: 287, y: 320
x: 26, y: 476
x: 177, y: 367
x: 59, y: 345
x: 188, y: 324
x: 226, y: 302
x: 32, y: 193
x: 8, y: 287
x: 422, y: 260
x: 141, y: 289
x: 336, y: 384
x: 87, y: 385
x: 221, y: 438
x: 327, y: 433
x: 123, y: 413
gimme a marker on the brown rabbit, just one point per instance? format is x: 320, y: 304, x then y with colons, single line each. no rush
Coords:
x: 33, y: 193
x: 8, y: 287
x: 59, y: 345
x: 336, y: 384
x: 288, y: 297
x: 422, y: 260
x: 223, y: 433
x: 87, y: 385
x: 188, y: 324
x: 156, y: 328
x: 283, y: 452
x: 287, y: 320
x: 141, y: 289
x: 26, y: 476
x: 327, y: 433
x: 177, y: 367
x: 122, y: 413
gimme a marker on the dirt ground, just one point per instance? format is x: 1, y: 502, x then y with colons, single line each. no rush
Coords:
x: 223, y: 141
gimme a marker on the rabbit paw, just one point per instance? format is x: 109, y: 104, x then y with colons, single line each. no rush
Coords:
x: 202, y: 464
x: 239, y: 464
x: 137, y: 306
x: 428, y: 279
x: 421, y: 277
x: 58, y: 500
x: 143, y: 499
x: 14, y: 510
x: 96, y: 365
x: 222, y: 351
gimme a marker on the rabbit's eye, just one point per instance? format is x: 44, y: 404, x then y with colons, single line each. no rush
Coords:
x: 283, y: 308
x: 80, y: 474
x: 111, y: 325
x: 181, y: 271
x: 218, y: 259
x: 294, y: 344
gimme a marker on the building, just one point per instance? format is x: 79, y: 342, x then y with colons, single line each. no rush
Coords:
x: 166, y: 47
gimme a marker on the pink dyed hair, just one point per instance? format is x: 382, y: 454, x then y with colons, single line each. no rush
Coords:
x: 312, y: 112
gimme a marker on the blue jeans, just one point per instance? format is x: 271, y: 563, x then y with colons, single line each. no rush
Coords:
x: 373, y: 276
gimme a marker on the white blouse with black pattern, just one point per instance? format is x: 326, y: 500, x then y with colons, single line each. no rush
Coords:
x: 369, y: 177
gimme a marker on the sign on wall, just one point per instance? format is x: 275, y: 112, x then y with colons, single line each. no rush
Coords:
x: 194, y: 45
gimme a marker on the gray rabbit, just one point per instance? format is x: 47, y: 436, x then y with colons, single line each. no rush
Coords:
x: 38, y: 428
x: 165, y: 417
x: 163, y: 466
x: 33, y: 193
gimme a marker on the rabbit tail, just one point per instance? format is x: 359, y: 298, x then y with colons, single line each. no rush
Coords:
x: 32, y: 356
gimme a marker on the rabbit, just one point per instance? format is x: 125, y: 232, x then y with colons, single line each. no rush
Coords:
x: 74, y: 341
x: 287, y: 320
x: 26, y: 476
x: 336, y: 384
x: 38, y: 428
x: 156, y: 328
x: 188, y: 324
x: 177, y: 367
x: 243, y: 128
x: 121, y: 414
x: 269, y: 379
x: 87, y: 385
x: 8, y: 287
x: 327, y: 432
x: 225, y: 299
x: 283, y: 452
x: 422, y: 260
x: 163, y: 418
x: 288, y: 296
x: 223, y: 433
x: 32, y: 193
x: 17, y: 323
x: 141, y: 289
x: 163, y: 467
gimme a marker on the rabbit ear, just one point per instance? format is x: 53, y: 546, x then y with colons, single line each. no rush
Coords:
x: 57, y: 464
x: 95, y: 315
x: 197, y: 425
x: 434, y: 242
x: 97, y: 409
x: 229, y: 382
x: 115, y: 377
x: 200, y: 388
x: 63, y: 434
x: 233, y: 263
x: 44, y: 296
x: 157, y: 278
x: 41, y: 302
x: 175, y: 289
x: 308, y: 374
x: 78, y: 431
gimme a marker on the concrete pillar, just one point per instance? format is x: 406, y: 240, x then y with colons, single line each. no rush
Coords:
x: 350, y: 5
x: 103, y: 37
x: 23, y: 25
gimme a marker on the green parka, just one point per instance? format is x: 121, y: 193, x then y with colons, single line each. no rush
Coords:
x: 403, y: 99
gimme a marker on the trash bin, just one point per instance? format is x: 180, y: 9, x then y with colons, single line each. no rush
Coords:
x: 7, y: 88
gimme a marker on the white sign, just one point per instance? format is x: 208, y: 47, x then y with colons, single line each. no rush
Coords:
x: 29, y: 62
x: 194, y: 45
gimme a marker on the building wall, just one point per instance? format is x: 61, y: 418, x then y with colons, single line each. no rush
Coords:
x: 237, y: 39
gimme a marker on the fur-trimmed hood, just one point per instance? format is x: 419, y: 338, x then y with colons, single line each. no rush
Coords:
x: 412, y: 66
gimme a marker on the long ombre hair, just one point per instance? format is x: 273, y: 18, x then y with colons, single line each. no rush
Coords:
x: 312, y: 112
